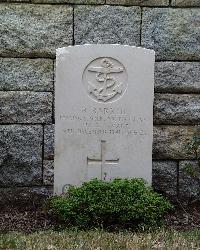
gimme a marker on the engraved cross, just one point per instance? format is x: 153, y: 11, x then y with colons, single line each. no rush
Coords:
x: 104, y: 163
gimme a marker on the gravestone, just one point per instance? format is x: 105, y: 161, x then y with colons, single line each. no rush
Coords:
x: 104, y: 114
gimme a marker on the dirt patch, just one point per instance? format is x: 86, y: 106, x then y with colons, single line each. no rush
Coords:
x: 184, y: 217
x: 34, y: 218
x: 27, y: 219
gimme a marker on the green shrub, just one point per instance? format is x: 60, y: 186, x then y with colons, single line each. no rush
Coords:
x: 118, y: 203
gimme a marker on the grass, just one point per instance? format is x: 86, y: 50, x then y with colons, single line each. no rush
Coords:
x: 100, y: 240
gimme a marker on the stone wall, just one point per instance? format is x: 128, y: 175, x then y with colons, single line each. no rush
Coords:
x: 31, y: 30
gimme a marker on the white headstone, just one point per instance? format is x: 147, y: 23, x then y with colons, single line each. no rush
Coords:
x: 104, y: 113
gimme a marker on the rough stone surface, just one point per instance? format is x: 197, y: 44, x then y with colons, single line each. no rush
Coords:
x: 188, y: 186
x: 26, y: 74
x: 170, y: 142
x: 49, y: 142
x: 48, y: 172
x: 24, y: 195
x: 176, y: 109
x: 34, y: 30
x: 185, y: 3
x: 107, y: 24
x: 20, y: 155
x: 164, y: 177
x: 172, y: 33
x: 70, y: 1
x: 25, y: 1
x: 25, y: 107
x: 177, y: 77
x: 139, y: 2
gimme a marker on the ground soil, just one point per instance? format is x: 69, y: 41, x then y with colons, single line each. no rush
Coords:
x: 184, y: 217
x: 30, y: 218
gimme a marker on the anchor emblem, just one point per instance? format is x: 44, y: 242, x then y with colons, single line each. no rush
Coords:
x: 105, y: 86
